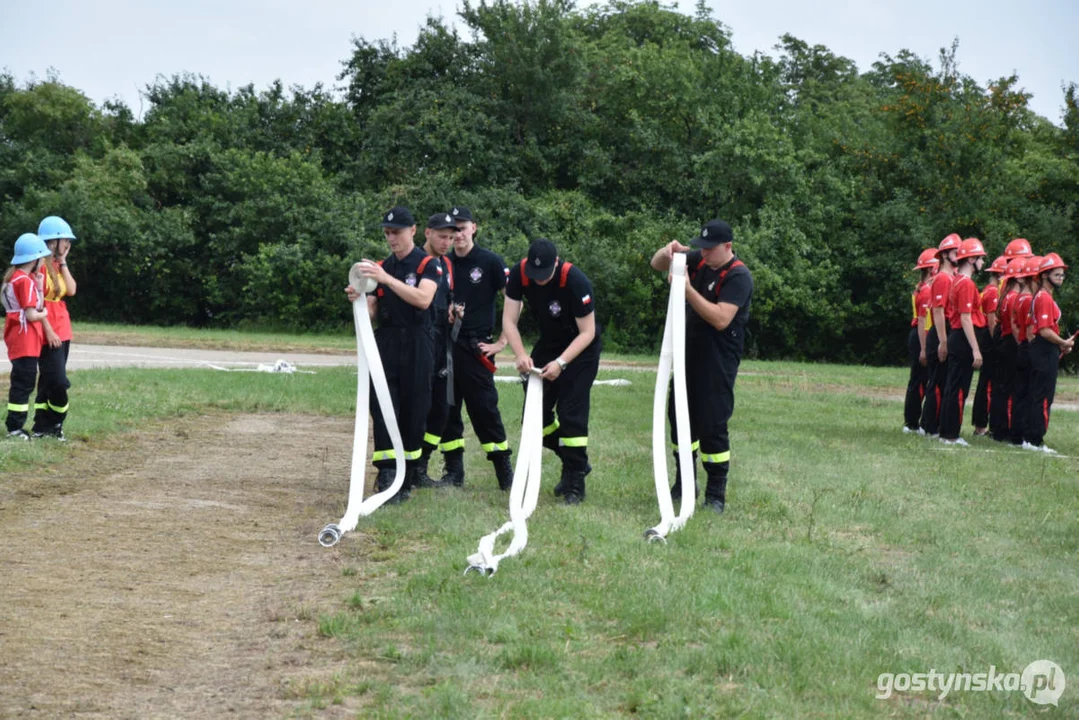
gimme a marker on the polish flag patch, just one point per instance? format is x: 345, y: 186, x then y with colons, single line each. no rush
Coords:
x: 586, y: 299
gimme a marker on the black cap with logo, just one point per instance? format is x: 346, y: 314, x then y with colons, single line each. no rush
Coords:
x: 715, y: 232
x: 460, y: 212
x: 397, y: 217
x: 441, y: 221
x: 542, y: 256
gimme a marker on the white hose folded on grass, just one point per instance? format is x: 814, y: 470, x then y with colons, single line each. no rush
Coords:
x: 673, y: 351
x: 368, y: 371
x: 524, y: 493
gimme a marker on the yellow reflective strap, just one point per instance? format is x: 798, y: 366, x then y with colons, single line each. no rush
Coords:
x: 40, y: 406
x: 431, y: 439
x: 716, y: 457
x: 694, y: 447
x: 383, y: 455
x: 551, y: 428
x: 413, y: 454
x: 12, y: 407
x: 452, y: 445
x: 57, y: 408
x: 573, y: 441
x: 491, y: 447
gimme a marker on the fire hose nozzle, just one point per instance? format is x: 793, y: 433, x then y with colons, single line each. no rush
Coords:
x: 329, y: 535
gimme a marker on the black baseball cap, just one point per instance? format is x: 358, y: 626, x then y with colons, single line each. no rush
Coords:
x: 715, y: 232
x: 397, y: 217
x: 460, y: 212
x: 542, y: 256
x: 441, y: 221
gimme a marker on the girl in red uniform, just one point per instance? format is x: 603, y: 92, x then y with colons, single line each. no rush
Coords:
x: 987, y: 341
x: 964, y: 355
x: 50, y: 407
x: 1020, y: 312
x: 936, y: 344
x: 23, y: 331
x: 920, y: 323
x: 1046, y: 349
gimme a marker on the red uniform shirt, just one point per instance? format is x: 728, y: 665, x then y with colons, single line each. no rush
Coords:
x: 1004, y: 313
x: 963, y: 299
x: 990, y: 299
x: 920, y: 300
x: 1045, y: 313
x: 23, y: 338
x: 54, y: 294
x: 1022, y: 318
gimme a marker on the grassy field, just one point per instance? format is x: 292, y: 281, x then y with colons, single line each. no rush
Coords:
x: 848, y: 550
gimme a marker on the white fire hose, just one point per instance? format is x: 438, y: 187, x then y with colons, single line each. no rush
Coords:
x: 368, y: 371
x: 524, y: 492
x: 673, y: 348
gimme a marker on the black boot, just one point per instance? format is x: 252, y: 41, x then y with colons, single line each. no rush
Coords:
x: 385, y: 480
x: 560, y: 488
x: 455, y: 468
x: 573, y: 486
x: 676, y: 489
x: 503, y: 471
x: 422, y: 479
x: 715, y: 496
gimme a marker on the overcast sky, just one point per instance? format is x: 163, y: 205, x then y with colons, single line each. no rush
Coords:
x: 114, y: 48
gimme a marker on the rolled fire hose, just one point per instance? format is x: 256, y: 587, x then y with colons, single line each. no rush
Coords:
x: 524, y: 492
x: 673, y: 350
x: 369, y: 371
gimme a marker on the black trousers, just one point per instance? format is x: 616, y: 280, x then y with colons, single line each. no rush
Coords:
x: 957, y: 387
x: 440, y: 409
x: 408, y: 358
x: 50, y: 406
x: 984, y: 394
x: 711, y: 370
x: 1044, y: 361
x: 474, y: 388
x: 23, y: 377
x: 1020, y: 395
x: 936, y: 377
x: 1000, y: 411
x: 567, y: 431
x: 919, y: 375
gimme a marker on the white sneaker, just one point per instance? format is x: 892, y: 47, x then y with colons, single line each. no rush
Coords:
x: 1028, y: 446
x: 1047, y: 450
x: 934, y: 435
x: 921, y: 431
x: 961, y: 442
x: 907, y: 430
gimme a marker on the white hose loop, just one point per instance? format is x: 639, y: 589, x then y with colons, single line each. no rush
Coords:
x: 524, y: 493
x: 673, y: 351
x: 368, y: 370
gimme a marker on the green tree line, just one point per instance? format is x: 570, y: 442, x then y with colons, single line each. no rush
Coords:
x: 610, y: 129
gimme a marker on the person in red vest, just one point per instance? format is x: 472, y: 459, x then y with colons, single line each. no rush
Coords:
x: 1046, y: 349
x: 57, y: 283
x: 561, y: 301
x: 1007, y: 348
x: 987, y: 342
x: 1021, y: 328
x: 719, y: 291
x: 936, y: 344
x: 964, y: 353
x: 24, y: 328
x: 920, y: 323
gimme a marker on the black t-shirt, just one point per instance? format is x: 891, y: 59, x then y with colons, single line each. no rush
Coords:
x: 394, y: 311
x: 556, y: 305
x: 444, y: 295
x: 732, y: 284
x: 477, y: 278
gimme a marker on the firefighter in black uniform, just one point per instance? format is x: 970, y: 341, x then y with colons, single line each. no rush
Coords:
x: 560, y: 298
x: 439, y: 235
x: 478, y: 276
x: 407, y: 281
x: 719, y: 290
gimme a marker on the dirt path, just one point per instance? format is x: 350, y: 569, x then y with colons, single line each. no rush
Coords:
x: 174, y: 572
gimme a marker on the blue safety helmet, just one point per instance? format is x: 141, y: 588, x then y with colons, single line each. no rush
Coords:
x: 29, y: 247
x: 54, y: 228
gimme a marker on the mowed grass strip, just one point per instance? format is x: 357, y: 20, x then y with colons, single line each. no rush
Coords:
x: 849, y: 549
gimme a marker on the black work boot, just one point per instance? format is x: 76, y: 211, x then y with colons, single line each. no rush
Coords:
x: 573, y: 486
x: 503, y: 471
x: 455, y: 468
x: 385, y: 480
x: 560, y: 488
x: 421, y: 478
x: 676, y: 489
x: 715, y: 496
